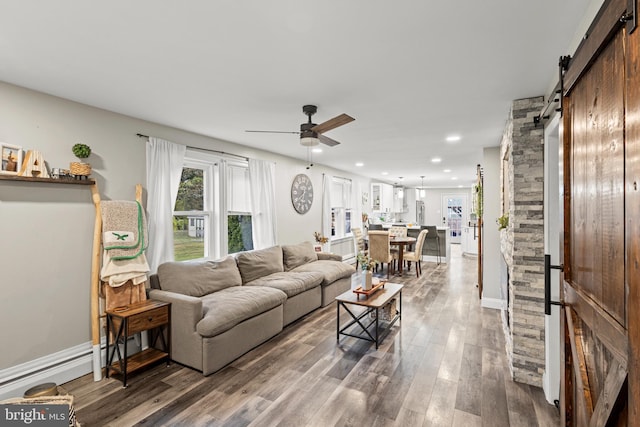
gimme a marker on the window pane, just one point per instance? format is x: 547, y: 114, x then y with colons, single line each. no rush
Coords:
x: 333, y: 221
x: 188, y: 237
x: 347, y: 221
x: 240, y: 234
x: 191, y: 190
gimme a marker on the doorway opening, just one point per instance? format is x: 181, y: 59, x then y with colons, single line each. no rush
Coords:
x: 454, y: 211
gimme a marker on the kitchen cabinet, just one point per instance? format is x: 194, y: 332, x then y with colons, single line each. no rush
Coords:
x: 381, y: 197
x: 470, y: 240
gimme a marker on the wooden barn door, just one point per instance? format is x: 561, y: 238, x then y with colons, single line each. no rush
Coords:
x: 601, y: 115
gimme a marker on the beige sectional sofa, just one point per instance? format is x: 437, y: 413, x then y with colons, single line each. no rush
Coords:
x: 223, y: 308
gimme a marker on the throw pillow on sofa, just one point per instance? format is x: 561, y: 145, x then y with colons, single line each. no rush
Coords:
x: 296, y: 255
x: 259, y: 263
x: 199, y: 278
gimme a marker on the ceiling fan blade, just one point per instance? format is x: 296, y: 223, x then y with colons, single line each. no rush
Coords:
x: 328, y: 141
x: 273, y: 131
x: 340, y: 120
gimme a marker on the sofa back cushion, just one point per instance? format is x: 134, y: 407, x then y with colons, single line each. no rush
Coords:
x: 199, y: 278
x: 259, y: 263
x: 296, y: 255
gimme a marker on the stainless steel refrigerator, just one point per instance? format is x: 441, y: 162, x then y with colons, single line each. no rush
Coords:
x: 420, y: 212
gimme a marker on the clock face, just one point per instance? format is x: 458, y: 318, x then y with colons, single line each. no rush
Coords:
x: 302, y: 193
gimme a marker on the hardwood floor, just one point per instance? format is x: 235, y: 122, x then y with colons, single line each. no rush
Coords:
x: 443, y: 364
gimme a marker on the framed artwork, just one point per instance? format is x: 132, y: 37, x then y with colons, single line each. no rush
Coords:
x: 11, y: 159
x: 365, y: 197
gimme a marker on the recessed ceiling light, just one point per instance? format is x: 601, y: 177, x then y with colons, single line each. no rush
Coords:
x: 446, y: 170
x: 317, y: 150
x: 460, y: 186
x: 436, y: 160
x: 453, y: 178
x: 359, y: 164
x: 453, y: 138
x: 385, y: 173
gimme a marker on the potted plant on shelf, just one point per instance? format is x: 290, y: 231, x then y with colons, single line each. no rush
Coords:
x: 81, y: 151
x: 367, y: 264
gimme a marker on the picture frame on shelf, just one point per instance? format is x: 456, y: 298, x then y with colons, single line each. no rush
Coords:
x: 11, y: 159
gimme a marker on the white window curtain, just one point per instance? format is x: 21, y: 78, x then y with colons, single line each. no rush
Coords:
x: 327, y: 182
x: 263, y: 203
x: 164, y: 169
x: 356, y: 205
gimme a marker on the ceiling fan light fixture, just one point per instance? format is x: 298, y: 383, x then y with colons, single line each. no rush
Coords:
x: 309, y: 141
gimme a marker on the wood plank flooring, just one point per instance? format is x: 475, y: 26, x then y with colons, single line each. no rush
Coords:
x: 443, y: 364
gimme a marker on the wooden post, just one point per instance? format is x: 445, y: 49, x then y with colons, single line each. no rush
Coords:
x: 95, y: 285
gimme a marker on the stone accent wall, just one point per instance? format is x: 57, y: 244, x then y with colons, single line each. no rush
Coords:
x: 523, y: 240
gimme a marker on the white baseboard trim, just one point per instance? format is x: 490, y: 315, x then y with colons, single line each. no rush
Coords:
x: 433, y: 258
x: 496, y: 303
x: 59, y: 368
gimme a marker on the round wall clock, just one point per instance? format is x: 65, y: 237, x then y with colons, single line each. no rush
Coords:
x: 302, y: 193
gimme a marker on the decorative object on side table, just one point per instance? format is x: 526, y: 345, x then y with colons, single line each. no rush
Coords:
x: 11, y: 159
x: 367, y: 265
x: 320, y: 241
x: 80, y: 169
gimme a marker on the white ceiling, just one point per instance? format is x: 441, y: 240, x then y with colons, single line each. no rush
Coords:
x: 410, y: 72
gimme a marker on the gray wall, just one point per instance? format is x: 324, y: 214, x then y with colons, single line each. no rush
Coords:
x: 47, y: 229
x: 490, y: 235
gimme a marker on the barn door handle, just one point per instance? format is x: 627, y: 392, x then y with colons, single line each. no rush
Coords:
x: 547, y: 284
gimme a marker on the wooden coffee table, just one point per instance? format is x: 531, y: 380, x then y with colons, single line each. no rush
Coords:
x: 376, y: 329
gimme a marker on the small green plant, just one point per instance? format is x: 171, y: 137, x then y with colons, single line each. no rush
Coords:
x: 366, y: 263
x: 479, y: 200
x: 81, y: 151
x: 503, y: 221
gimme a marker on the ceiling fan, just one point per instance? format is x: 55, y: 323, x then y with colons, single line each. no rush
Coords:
x: 310, y: 133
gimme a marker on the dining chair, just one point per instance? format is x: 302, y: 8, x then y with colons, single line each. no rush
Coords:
x: 376, y: 227
x: 379, y: 249
x: 358, y: 242
x: 399, y: 231
x: 416, y: 255
x: 432, y: 241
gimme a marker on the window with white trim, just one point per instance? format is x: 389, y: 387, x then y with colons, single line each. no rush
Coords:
x: 239, y: 231
x: 193, y: 211
x: 341, y: 208
x: 212, y: 214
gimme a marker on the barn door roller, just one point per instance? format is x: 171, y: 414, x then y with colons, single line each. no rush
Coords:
x: 630, y: 18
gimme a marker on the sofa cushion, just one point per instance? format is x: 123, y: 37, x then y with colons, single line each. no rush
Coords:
x: 200, y: 277
x: 296, y: 255
x: 225, y: 309
x: 291, y: 283
x: 331, y: 270
x: 259, y: 263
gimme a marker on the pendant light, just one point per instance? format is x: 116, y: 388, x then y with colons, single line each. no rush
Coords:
x: 422, y: 192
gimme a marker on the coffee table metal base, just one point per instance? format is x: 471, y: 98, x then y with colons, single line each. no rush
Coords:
x: 366, y: 334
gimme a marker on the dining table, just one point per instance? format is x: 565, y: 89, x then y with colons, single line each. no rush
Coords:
x: 401, y: 242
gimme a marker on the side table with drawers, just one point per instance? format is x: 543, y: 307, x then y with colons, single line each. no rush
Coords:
x: 124, y: 322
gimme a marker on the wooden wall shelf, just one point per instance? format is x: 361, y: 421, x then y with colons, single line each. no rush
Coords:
x: 48, y: 180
